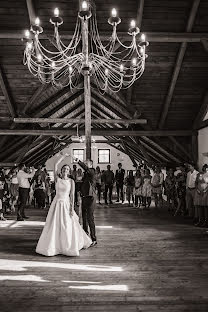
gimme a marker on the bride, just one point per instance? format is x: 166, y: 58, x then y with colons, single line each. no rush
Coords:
x: 62, y: 233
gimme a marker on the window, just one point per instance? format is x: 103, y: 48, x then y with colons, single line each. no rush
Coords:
x: 78, y: 153
x: 103, y: 156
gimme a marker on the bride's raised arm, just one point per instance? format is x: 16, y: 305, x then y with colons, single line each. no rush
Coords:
x: 56, y: 165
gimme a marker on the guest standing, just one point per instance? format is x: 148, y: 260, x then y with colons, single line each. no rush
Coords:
x: 157, y: 186
x: 108, y: 179
x: 138, y: 188
x: 98, y: 183
x: 119, y: 178
x: 130, y: 182
x: 190, y: 190
x: 24, y: 188
x: 201, y: 197
x: 147, y: 189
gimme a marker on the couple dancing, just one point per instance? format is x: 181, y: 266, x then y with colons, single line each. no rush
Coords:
x: 62, y: 233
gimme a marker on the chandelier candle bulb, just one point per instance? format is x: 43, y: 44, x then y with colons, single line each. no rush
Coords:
x: 70, y: 69
x: 39, y: 57
x: 134, y: 62
x: 29, y: 45
x: 37, y: 21
x: 56, y: 12
x: 121, y: 68
x: 84, y: 5
x: 106, y: 72
x: 133, y: 24
x: 53, y: 65
x: 143, y: 37
x: 114, y: 12
x: 27, y: 34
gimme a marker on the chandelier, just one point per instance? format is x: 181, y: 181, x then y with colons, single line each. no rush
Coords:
x: 113, y: 65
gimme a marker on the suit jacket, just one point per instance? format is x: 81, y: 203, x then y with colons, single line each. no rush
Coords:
x: 119, y: 177
x: 88, y: 182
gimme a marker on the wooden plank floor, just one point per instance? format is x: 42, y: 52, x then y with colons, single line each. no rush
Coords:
x: 143, y: 262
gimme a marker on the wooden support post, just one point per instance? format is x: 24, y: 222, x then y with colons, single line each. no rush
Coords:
x: 87, y: 89
x: 194, y: 147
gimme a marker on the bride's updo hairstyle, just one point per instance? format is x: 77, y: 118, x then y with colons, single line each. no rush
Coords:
x: 64, y: 167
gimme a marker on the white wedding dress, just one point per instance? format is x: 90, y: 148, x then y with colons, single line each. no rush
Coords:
x: 62, y: 233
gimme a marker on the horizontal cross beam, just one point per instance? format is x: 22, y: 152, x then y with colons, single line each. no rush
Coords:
x: 79, y: 121
x: 98, y: 132
x: 151, y: 36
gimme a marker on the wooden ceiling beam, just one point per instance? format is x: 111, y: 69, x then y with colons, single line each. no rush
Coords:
x: 31, y: 11
x: 178, y: 66
x: 7, y: 94
x: 205, y: 44
x: 141, y: 146
x: 120, y: 132
x: 180, y: 146
x: 34, y: 97
x: 128, y: 152
x: 78, y: 120
x: 163, y: 149
x: 123, y: 36
x: 202, y: 112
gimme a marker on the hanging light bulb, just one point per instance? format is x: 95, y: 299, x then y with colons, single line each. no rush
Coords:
x: 121, y: 68
x: 40, y: 58
x: 143, y: 38
x: 133, y: 24
x: 114, y: 12
x: 134, y: 61
x: 53, y: 65
x: 29, y: 45
x: 70, y: 69
x: 27, y: 34
x: 106, y: 72
x: 141, y: 50
x: 84, y: 5
x: 56, y: 12
x: 37, y: 21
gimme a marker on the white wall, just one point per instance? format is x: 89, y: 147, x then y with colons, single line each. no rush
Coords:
x: 203, y: 147
x: 115, y: 157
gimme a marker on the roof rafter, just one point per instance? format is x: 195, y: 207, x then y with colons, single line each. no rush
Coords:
x: 7, y: 94
x: 178, y: 65
x: 202, y: 112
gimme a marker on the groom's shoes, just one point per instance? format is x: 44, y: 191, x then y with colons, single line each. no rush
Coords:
x: 20, y: 219
x: 93, y: 244
x: 25, y: 217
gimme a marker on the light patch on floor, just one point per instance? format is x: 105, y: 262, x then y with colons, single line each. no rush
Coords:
x: 25, y: 278
x: 14, y: 265
x: 102, y: 287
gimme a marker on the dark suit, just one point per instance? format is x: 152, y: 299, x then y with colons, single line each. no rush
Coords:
x: 88, y: 195
x: 119, y: 177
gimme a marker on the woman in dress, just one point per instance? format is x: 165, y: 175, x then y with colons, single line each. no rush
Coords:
x: 157, y: 186
x: 170, y: 189
x: 201, y: 197
x: 14, y: 188
x: 129, y: 182
x: 62, y: 233
x: 147, y: 189
x: 138, y: 189
x: 181, y: 191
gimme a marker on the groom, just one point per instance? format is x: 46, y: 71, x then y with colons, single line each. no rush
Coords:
x: 88, y: 194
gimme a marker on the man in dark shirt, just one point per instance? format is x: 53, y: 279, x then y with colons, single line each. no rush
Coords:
x: 88, y: 194
x: 119, y: 177
x: 108, y: 179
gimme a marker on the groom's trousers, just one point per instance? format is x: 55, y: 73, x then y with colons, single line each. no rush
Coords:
x: 88, y: 207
